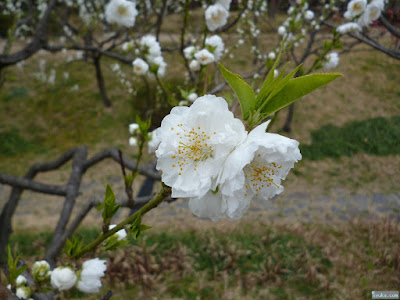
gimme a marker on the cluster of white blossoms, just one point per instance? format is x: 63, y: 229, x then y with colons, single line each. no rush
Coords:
x: 205, y: 154
x: 152, y: 62
x: 121, y: 12
x: 87, y: 280
x: 361, y: 13
x: 213, y: 51
x: 331, y: 61
x: 22, y: 290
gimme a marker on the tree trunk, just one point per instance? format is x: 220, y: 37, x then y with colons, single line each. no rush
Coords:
x: 100, y: 81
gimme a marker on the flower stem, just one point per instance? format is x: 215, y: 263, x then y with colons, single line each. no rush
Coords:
x: 162, y: 195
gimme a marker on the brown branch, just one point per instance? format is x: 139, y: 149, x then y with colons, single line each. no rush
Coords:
x: 73, y: 185
x: 38, y: 41
x: 392, y: 29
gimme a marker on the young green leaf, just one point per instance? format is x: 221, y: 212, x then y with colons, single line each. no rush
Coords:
x: 295, y: 89
x: 243, y: 91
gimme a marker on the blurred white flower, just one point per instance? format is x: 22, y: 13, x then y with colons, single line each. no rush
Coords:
x: 194, y: 65
x: 189, y: 51
x: 217, y: 46
x: 23, y: 292
x: 21, y: 280
x: 204, y: 57
x: 371, y: 13
x: 63, y: 278
x: 348, y: 27
x: 154, y: 141
x: 355, y: 8
x: 161, y: 66
x: 133, y: 141
x: 40, y: 270
x: 271, y: 55
x: 140, y: 67
x: 192, y: 97
x: 281, y: 30
x: 92, y: 271
x: 121, y: 234
x: 216, y: 16
x: 121, y: 12
x: 133, y: 128
x: 331, y: 61
x: 309, y: 15
x: 150, y: 47
x: 195, y: 142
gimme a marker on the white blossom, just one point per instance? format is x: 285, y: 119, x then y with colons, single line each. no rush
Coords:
x: 309, y: 15
x: 121, y: 234
x: 189, y: 51
x: 133, y: 141
x: 254, y: 169
x: 92, y: 271
x: 40, y: 270
x: 150, y: 47
x: 217, y: 46
x: 195, y: 142
x: 204, y: 57
x: 23, y: 292
x: 192, y: 97
x: 140, y: 67
x: 133, y: 128
x: 281, y: 30
x: 371, y: 13
x: 348, y: 27
x: 161, y: 66
x: 121, y: 12
x: 332, y: 61
x: 271, y: 55
x: 355, y: 8
x: 154, y: 141
x: 63, y: 278
x: 194, y: 65
x: 216, y: 16
x: 21, y: 280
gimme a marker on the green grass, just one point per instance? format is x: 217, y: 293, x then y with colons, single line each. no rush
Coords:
x: 246, y: 261
x: 12, y: 143
x: 377, y: 136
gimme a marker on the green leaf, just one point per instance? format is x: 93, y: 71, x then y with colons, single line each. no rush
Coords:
x: 266, y: 89
x: 283, y: 83
x: 270, y: 76
x: 295, y: 89
x: 243, y: 91
x: 21, y: 270
x: 143, y: 227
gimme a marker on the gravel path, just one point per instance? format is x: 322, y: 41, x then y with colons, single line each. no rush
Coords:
x: 292, y: 206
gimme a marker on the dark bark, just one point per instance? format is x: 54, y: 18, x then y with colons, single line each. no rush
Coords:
x: 100, y: 81
x: 288, y: 124
x: 73, y: 185
x: 11, y: 205
x: 38, y: 42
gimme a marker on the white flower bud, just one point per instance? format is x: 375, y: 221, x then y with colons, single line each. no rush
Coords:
x: 63, y: 278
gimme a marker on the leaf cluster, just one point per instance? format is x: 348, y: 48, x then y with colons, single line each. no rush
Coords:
x: 275, y: 93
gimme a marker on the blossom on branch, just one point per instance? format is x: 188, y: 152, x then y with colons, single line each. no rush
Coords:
x: 121, y: 12
x: 92, y: 271
x: 331, y: 61
x: 254, y: 169
x: 63, y: 278
x: 216, y: 16
x: 195, y: 141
